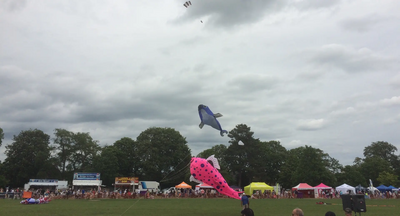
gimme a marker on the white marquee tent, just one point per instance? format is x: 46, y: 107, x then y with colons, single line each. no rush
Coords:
x: 344, y: 188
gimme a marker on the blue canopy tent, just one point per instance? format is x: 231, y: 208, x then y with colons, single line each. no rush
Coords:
x: 382, y: 188
x: 390, y: 188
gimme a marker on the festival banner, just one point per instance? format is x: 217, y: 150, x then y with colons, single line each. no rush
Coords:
x: 86, y: 176
x: 126, y: 180
x: 44, y: 180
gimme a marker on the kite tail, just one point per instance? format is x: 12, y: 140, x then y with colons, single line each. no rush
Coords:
x: 222, y: 132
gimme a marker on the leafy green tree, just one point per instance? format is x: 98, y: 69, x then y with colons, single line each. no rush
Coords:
x: 273, y: 156
x: 290, y: 165
x: 64, y: 140
x: 387, y: 178
x: 312, y: 168
x: 128, y: 156
x: 161, y: 152
x: 382, y: 150
x: 106, y: 163
x: 1, y: 136
x: 84, y: 149
x: 372, y: 166
x: 385, y: 151
x: 28, y: 156
x: 310, y: 165
x: 3, y: 181
x: 351, y: 175
x: 242, y: 160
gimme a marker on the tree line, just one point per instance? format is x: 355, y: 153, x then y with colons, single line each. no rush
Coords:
x: 162, y: 154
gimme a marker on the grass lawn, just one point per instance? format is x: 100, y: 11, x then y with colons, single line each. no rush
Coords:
x: 192, y: 207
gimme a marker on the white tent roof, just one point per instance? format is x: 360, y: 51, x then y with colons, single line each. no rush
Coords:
x: 345, y: 187
x: 204, y: 186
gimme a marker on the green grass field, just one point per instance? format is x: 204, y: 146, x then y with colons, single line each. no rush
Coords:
x: 192, y: 207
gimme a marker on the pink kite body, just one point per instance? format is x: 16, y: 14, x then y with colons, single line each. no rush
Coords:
x: 202, y: 170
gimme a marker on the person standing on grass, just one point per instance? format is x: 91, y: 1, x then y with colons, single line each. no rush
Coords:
x: 244, y: 201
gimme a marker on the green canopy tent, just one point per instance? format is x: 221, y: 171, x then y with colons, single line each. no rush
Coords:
x: 261, y: 186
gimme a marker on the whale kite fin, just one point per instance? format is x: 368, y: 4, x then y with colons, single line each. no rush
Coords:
x: 217, y: 115
x: 213, y: 161
x: 193, y: 179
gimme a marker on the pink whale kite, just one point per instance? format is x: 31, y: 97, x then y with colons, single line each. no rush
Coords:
x: 205, y: 171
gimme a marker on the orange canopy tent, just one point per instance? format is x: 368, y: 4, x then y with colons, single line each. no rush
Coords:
x: 183, y: 185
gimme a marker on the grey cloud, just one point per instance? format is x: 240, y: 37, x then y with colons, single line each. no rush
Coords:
x: 223, y: 13
x: 315, y: 4
x: 361, y: 24
x: 350, y: 60
x: 13, y: 5
x: 395, y: 81
x: 252, y: 82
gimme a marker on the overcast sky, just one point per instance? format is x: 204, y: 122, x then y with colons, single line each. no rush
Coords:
x: 319, y: 73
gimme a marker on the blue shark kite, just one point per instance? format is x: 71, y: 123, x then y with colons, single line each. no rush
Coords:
x: 209, y: 118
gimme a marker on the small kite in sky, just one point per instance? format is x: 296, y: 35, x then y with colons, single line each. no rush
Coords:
x: 209, y: 118
x: 240, y: 142
x: 187, y: 4
x: 206, y: 171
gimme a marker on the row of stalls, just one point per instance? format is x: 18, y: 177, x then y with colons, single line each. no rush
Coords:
x: 92, y: 181
x: 80, y: 180
x: 304, y: 190
x: 46, y: 184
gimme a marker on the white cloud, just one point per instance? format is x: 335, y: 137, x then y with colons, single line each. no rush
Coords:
x: 311, y: 124
x: 295, y: 144
x: 395, y: 100
x: 341, y: 112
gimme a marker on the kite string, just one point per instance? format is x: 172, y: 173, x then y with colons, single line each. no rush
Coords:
x: 176, y: 166
x: 176, y: 174
x: 130, y: 207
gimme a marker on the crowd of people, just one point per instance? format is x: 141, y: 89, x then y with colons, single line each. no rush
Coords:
x: 96, y: 193
x: 92, y: 193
